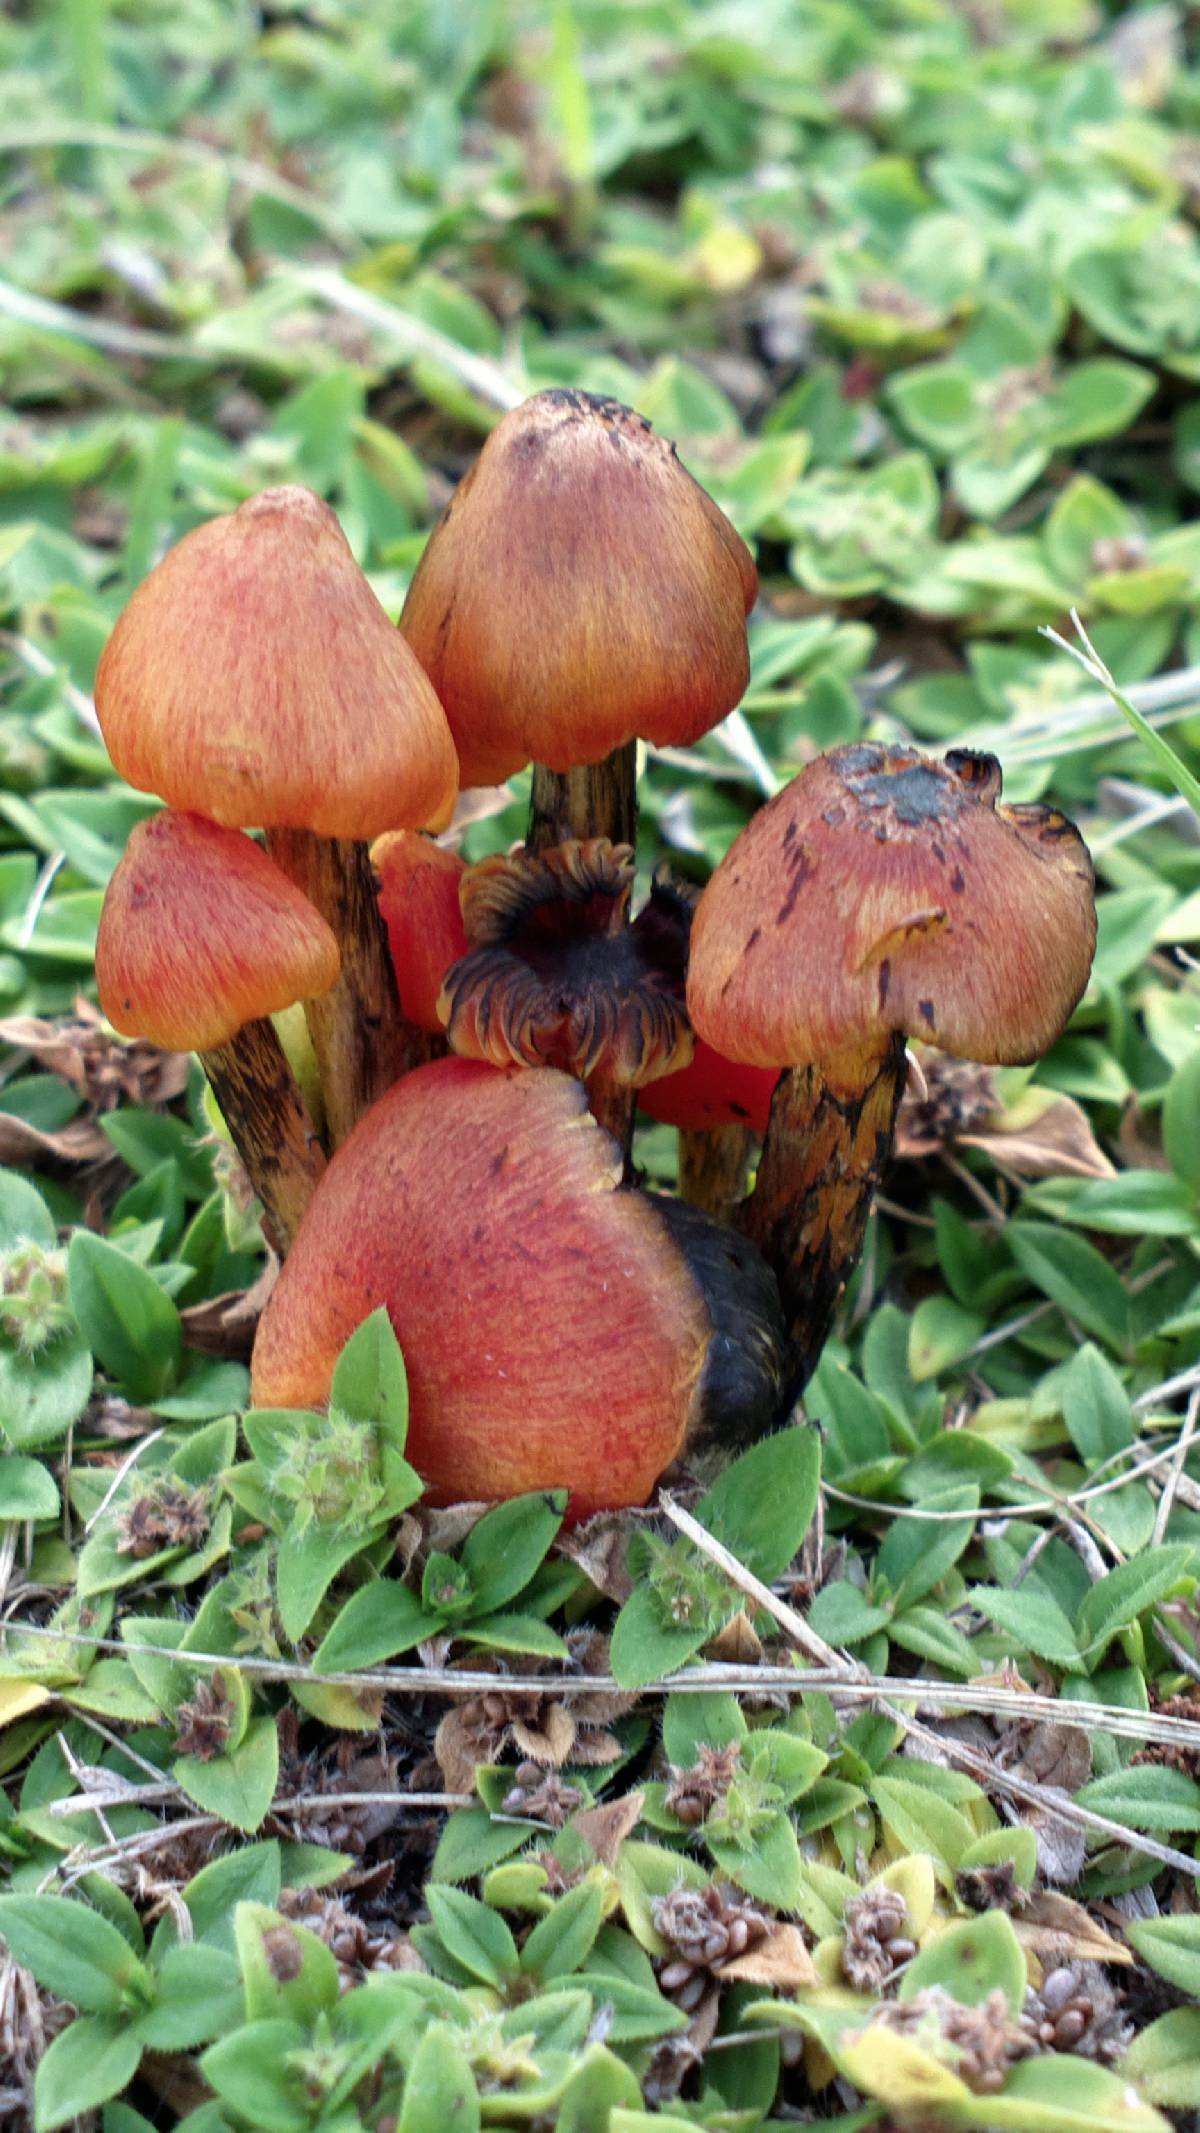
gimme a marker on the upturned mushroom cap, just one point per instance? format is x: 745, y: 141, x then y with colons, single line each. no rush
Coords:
x: 580, y: 590
x: 255, y: 678
x: 554, y: 975
x: 551, y: 1331
x: 882, y: 891
x: 418, y: 896
x: 201, y: 933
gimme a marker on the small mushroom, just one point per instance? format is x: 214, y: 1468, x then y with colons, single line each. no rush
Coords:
x: 419, y: 884
x: 580, y: 590
x: 254, y: 678
x: 201, y: 939
x: 552, y: 1333
x: 880, y: 894
x: 555, y: 975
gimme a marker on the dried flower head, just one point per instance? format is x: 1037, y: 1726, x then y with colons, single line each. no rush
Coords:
x: 877, y: 1939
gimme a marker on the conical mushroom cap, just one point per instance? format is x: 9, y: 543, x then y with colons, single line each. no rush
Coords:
x: 255, y: 678
x: 580, y: 590
x: 551, y: 1331
x: 201, y: 933
x: 883, y: 891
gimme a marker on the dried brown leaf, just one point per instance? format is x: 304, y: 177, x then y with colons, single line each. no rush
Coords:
x: 781, y: 1961
x: 606, y: 1828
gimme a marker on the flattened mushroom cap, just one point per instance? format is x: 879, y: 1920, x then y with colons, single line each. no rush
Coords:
x: 580, y: 590
x: 418, y: 896
x: 551, y: 1331
x: 555, y: 977
x: 255, y: 678
x: 201, y: 933
x: 883, y: 891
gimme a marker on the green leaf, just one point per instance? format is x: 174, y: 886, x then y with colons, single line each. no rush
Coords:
x: 762, y: 1505
x: 1181, y: 1121
x: 370, y: 1383
x: 1127, y: 1591
x: 133, y: 1327
x: 439, y: 2091
x: 199, y: 1998
x: 95, y: 2058
x: 250, y: 2072
x: 378, y: 1622
x: 644, y: 1647
x: 27, y: 1489
x: 1075, y: 1276
x: 1145, y: 1798
x: 287, y: 1972
x: 251, y: 1874
x: 74, y: 1953
x: 475, y: 1937
x: 238, y: 1787
x: 969, y: 1960
x: 940, y: 1335
x: 923, y: 1823
x: 1163, y: 2060
x: 24, y: 1215
x: 1170, y: 1945
x: 770, y: 1868
x: 1096, y: 1407
x: 1064, y: 2094
x: 1036, y: 1621
x: 502, y: 1552
x: 41, y: 1395
x: 561, y: 1942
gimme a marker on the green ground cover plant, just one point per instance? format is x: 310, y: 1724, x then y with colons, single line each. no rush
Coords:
x: 859, y: 1785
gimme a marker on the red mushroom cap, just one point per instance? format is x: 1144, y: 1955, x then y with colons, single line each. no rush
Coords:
x: 419, y: 897
x: 551, y: 1331
x: 201, y: 933
x: 580, y: 590
x: 882, y: 891
x: 711, y: 1091
x: 255, y: 678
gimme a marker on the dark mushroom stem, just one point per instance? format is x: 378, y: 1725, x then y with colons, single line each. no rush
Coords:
x: 361, y: 1040
x: 714, y: 1165
x: 270, y: 1125
x: 828, y: 1143
x: 597, y: 800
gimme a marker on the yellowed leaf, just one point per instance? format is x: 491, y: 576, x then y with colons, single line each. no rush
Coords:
x: 19, y: 1698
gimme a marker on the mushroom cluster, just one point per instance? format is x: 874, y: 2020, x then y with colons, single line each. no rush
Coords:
x: 483, y: 1034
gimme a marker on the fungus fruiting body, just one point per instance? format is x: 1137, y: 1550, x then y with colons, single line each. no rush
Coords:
x: 419, y: 884
x: 553, y: 1329
x: 581, y: 590
x: 555, y: 975
x: 552, y: 1333
x: 254, y: 678
x: 201, y: 939
x: 879, y: 894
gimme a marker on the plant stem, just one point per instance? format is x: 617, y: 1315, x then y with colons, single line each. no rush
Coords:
x: 714, y: 1162
x: 271, y: 1128
x: 597, y: 800
x: 828, y: 1142
x: 362, y: 1041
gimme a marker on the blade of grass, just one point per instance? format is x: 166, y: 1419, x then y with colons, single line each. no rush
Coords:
x: 1171, y: 764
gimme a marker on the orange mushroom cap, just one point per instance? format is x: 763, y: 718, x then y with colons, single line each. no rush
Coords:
x: 255, y: 678
x: 551, y: 1330
x: 882, y: 891
x: 419, y: 898
x: 201, y: 933
x: 580, y: 590
x: 711, y: 1091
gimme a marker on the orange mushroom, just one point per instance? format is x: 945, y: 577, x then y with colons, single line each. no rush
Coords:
x: 201, y: 939
x: 552, y: 1330
x: 255, y: 678
x: 555, y: 975
x: 419, y: 885
x: 879, y: 894
x: 579, y: 591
